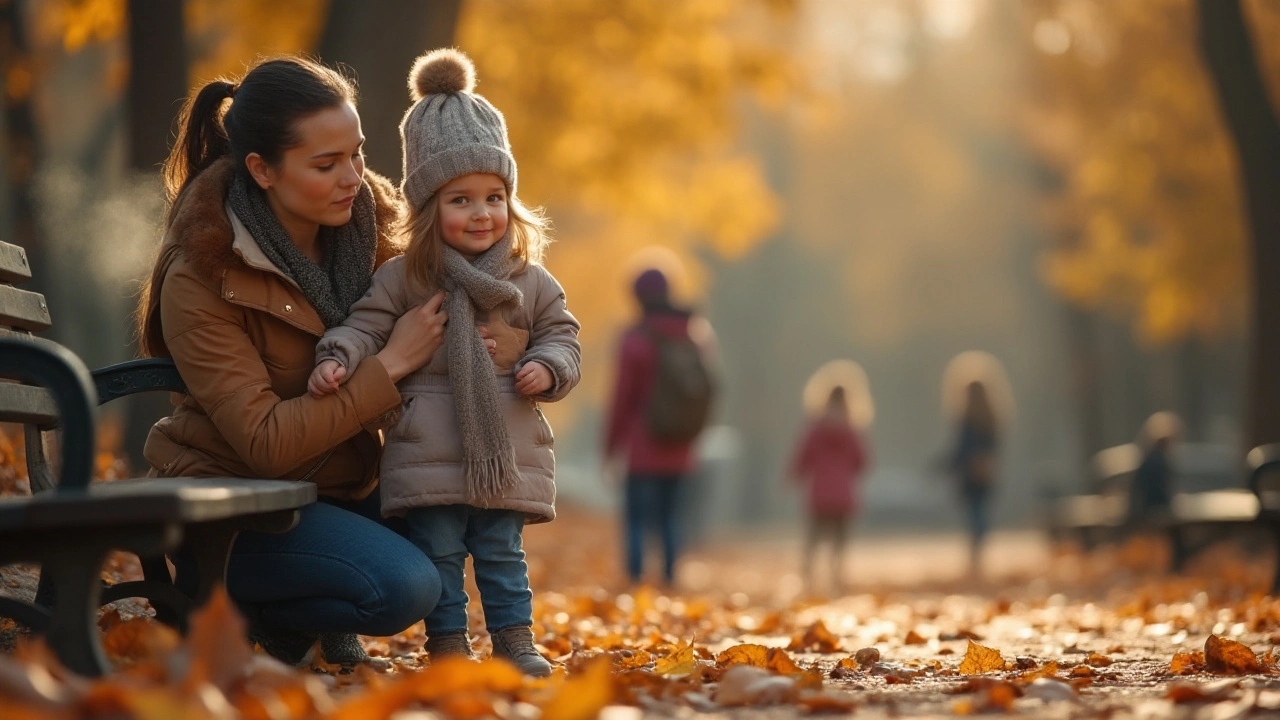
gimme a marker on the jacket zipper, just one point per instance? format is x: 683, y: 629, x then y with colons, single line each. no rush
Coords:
x: 318, y: 465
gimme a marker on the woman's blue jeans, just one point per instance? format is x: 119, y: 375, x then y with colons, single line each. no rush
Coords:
x: 651, y: 504
x: 340, y: 570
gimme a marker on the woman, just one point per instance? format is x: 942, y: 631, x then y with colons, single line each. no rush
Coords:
x: 974, y: 463
x: 275, y: 228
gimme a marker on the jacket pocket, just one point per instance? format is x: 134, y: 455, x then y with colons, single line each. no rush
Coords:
x: 403, y: 430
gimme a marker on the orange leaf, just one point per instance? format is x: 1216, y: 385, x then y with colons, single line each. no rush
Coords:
x: 774, y: 659
x: 1082, y: 671
x: 1228, y: 657
x: 1097, y: 660
x: 1186, y: 663
x: 979, y: 659
x: 583, y: 696
x: 140, y: 640
x: 1050, y: 670
x: 826, y: 701
x: 817, y: 639
x: 914, y: 638
x: 219, y: 651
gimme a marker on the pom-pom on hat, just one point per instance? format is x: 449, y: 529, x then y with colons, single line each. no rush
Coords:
x: 450, y: 131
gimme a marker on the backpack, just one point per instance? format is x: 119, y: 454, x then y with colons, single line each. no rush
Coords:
x: 680, y: 398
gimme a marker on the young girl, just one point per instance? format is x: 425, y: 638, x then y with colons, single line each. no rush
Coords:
x: 830, y: 458
x: 470, y: 460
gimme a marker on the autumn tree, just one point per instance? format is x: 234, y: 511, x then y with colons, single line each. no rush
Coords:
x: 1255, y: 131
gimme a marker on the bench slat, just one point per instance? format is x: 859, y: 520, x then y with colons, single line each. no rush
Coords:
x: 27, y: 404
x: 23, y: 309
x: 185, y: 500
x: 13, y: 263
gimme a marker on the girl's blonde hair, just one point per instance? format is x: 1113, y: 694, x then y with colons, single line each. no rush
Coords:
x: 849, y: 376
x: 420, y: 231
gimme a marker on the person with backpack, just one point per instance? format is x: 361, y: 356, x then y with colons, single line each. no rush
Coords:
x: 661, y: 402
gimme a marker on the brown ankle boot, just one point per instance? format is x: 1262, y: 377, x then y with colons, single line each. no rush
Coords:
x: 516, y: 644
x: 443, y: 645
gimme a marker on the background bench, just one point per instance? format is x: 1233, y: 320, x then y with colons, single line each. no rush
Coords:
x: 69, y: 524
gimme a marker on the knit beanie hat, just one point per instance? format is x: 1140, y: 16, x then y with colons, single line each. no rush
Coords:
x: 450, y: 131
x: 651, y: 286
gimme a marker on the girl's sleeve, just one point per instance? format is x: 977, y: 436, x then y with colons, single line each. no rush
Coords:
x: 372, y: 317
x: 225, y: 374
x: 553, y: 337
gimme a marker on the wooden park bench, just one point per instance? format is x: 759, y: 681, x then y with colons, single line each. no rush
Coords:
x: 69, y: 524
x: 1204, y: 506
x: 1264, y: 481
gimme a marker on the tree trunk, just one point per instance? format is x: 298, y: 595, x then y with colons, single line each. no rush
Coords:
x: 379, y: 40
x: 158, y: 85
x: 1232, y: 63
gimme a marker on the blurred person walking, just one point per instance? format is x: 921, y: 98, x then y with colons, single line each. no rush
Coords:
x: 661, y: 403
x: 1151, y: 490
x: 975, y: 391
x: 829, y: 460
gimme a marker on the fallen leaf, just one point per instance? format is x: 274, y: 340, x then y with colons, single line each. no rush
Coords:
x: 914, y: 638
x: 867, y: 656
x: 1050, y: 670
x: 815, y: 639
x: 583, y: 696
x: 1097, y: 660
x: 1228, y: 657
x: 1186, y: 663
x: 979, y: 659
x: 775, y: 659
x: 1082, y: 671
x: 679, y: 662
x: 216, y: 644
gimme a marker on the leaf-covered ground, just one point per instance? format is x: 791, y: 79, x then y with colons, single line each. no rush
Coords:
x: 1045, y: 634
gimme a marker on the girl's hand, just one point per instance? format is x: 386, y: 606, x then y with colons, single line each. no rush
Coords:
x: 533, y: 379
x: 415, y: 338
x: 326, y: 378
x: 489, y: 344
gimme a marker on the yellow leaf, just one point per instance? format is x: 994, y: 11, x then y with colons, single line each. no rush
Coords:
x: 680, y: 662
x: 979, y: 659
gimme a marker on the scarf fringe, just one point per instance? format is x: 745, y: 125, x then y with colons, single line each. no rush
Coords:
x: 489, y: 479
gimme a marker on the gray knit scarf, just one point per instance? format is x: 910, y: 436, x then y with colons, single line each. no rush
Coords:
x: 488, y: 460
x: 349, y: 250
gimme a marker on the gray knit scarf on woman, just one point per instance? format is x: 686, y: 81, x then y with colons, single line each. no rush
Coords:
x: 488, y: 460
x: 349, y: 250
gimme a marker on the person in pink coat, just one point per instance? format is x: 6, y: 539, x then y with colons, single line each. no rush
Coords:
x: 829, y: 460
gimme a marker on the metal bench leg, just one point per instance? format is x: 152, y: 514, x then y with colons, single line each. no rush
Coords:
x: 73, y: 626
x: 33, y: 616
x: 210, y: 544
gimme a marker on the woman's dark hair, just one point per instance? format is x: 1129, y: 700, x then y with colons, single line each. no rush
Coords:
x: 266, y: 106
x: 262, y: 118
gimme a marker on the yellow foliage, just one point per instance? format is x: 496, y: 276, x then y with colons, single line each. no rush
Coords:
x: 622, y: 118
x: 226, y: 35
x: 1150, y: 211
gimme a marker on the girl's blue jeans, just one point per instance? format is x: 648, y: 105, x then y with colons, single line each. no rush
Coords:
x: 493, y: 539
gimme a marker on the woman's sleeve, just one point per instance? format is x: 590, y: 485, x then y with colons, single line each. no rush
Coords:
x: 553, y: 337
x: 226, y: 375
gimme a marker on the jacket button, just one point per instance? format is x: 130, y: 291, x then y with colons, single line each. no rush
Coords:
x: 231, y: 294
x: 288, y: 308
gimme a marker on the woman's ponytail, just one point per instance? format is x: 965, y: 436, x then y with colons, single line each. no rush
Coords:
x: 202, y: 139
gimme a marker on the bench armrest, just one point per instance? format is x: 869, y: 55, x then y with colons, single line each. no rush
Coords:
x: 1262, y: 460
x: 52, y: 366
x: 135, y: 376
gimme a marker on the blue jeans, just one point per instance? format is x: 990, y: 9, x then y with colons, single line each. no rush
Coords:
x: 493, y: 538
x: 339, y: 570
x: 651, y: 504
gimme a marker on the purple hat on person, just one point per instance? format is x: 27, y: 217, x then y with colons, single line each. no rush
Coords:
x: 651, y: 285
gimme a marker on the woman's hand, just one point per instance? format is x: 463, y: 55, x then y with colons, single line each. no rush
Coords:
x: 414, y: 340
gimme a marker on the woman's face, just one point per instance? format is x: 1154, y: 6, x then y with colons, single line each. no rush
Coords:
x: 316, y: 181
x: 473, y: 213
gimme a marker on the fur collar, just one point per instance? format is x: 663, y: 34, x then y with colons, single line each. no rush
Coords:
x: 200, y: 228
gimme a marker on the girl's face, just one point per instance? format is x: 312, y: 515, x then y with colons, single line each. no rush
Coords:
x: 473, y: 213
x: 315, y: 182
